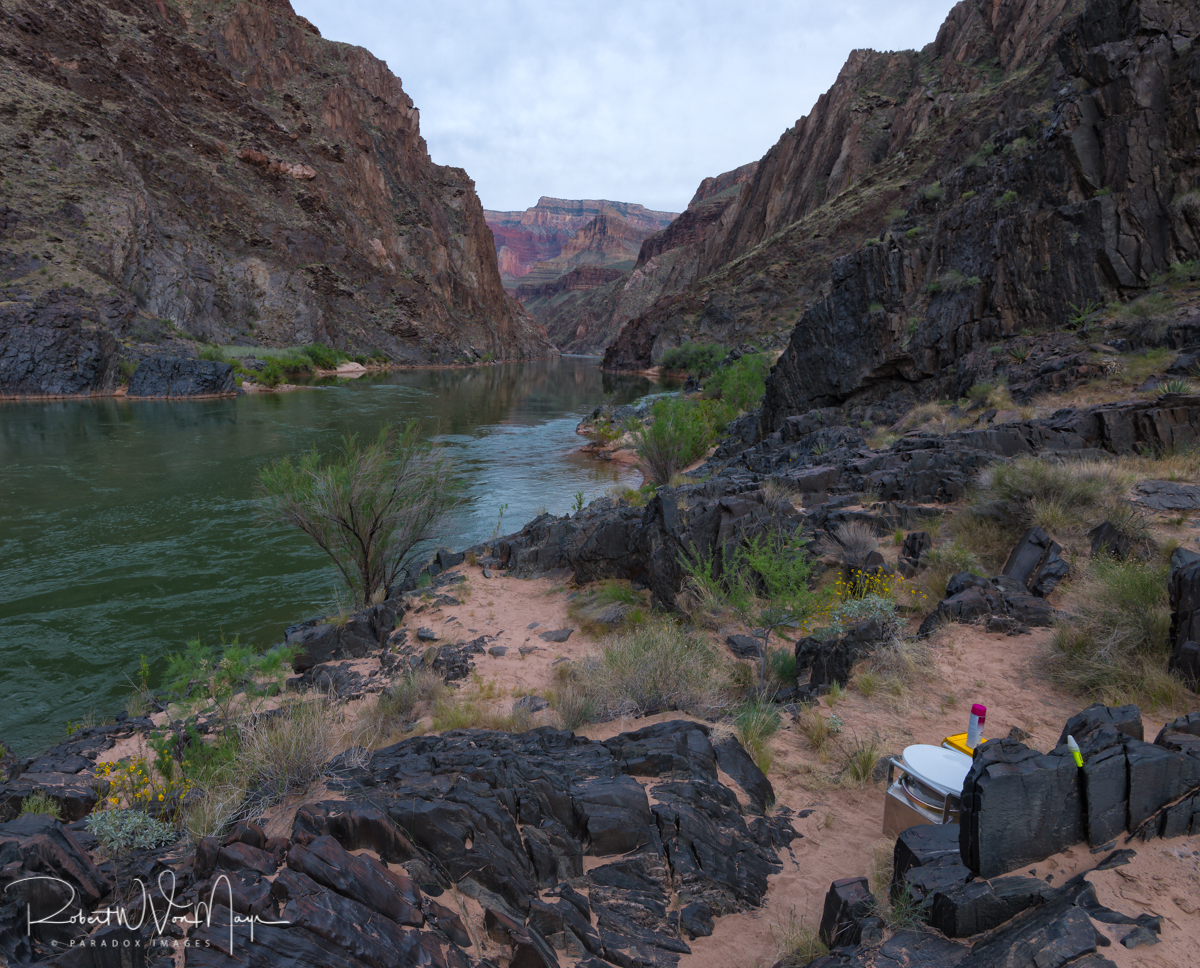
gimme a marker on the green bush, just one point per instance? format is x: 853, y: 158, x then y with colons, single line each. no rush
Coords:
x: 1006, y: 199
x: 323, y: 357
x: 697, y: 358
x: 368, y: 507
x: 680, y: 431
x: 934, y: 191
x: 741, y: 385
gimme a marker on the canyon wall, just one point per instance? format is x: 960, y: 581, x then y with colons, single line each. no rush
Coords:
x: 219, y: 171
x: 1008, y: 88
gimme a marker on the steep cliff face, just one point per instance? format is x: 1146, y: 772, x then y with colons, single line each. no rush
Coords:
x: 1087, y: 201
x: 222, y: 168
x: 891, y: 126
x: 539, y: 234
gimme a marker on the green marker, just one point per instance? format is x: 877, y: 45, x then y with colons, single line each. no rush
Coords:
x: 1075, y: 752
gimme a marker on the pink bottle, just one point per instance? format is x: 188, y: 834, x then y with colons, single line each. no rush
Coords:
x: 975, y: 727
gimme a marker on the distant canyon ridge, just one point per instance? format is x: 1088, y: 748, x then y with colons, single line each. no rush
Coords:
x: 585, y: 267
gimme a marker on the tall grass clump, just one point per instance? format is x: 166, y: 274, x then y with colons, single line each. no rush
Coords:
x: 1113, y: 640
x: 1065, y: 498
x: 284, y: 752
x: 654, y: 666
x: 755, y: 723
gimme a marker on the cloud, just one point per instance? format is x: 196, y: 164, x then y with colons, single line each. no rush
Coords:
x: 635, y: 102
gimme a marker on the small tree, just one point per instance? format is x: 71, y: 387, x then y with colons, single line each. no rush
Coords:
x: 368, y: 506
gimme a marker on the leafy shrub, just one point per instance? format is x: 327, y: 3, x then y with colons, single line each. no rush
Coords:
x: 367, y: 507
x: 1006, y: 199
x: 696, y: 358
x: 967, y: 196
x: 934, y: 191
x: 323, y: 357
x: 121, y: 831
x: 740, y: 385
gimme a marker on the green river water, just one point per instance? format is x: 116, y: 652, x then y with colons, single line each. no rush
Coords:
x: 128, y: 527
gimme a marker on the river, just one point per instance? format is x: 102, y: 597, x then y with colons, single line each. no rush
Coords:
x: 128, y: 527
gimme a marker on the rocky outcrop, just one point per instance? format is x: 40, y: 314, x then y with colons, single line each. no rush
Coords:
x: 166, y: 376
x: 505, y: 819
x: 58, y: 344
x: 225, y: 170
x: 1028, y: 159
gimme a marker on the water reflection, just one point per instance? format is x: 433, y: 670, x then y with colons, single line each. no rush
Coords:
x: 127, y: 527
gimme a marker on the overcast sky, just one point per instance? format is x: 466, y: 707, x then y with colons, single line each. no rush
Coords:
x: 634, y: 102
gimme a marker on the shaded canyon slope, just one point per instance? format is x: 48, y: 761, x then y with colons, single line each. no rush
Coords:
x: 584, y: 309
x: 220, y: 171
x: 1034, y: 156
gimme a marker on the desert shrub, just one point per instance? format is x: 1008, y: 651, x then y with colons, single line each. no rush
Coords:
x: 903, y: 660
x: 284, y: 752
x: 814, y: 727
x: 952, y: 280
x: 697, y: 358
x: 367, y: 507
x: 852, y: 543
x: 1006, y: 199
x: 1187, y: 271
x: 1149, y: 306
x: 575, y: 705
x: 783, y: 665
x: 1175, y: 386
x: 1187, y: 203
x: 861, y: 759
x: 120, y: 831
x: 934, y: 191
x: 796, y: 941
x: 942, y: 562
x: 397, y: 704
x: 41, y: 802
x: 1113, y: 642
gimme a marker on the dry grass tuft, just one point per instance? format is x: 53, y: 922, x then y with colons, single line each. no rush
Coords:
x: 796, y: 941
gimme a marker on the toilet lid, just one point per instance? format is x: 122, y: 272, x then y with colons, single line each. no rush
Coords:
x: 939, y: 767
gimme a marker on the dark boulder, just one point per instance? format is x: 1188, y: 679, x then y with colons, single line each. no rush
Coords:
x: 1036, y: 563
x: 1184, y: 590
x: 848, y: 902
x: 365, y: 631
x: 1018, y: 806
x: 980, y: 905
x: 172, y: 376
x: 1124, y: 719
x: 833, y: 660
